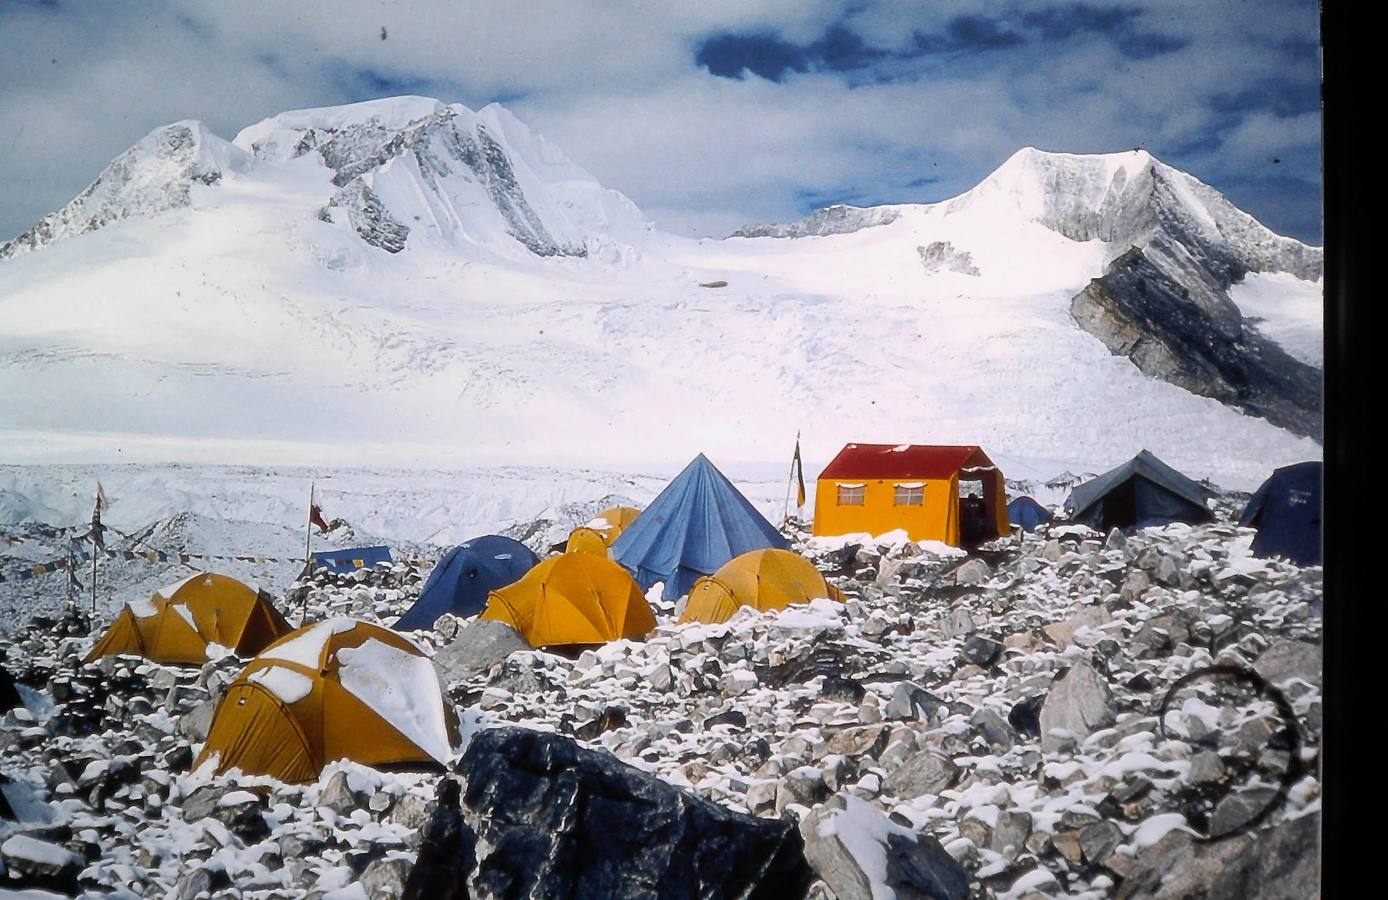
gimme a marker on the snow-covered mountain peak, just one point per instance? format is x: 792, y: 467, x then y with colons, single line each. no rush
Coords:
x: 157, y: 174
x: 404, y: 171
x: 1131, y: 199
x: 264, y: 138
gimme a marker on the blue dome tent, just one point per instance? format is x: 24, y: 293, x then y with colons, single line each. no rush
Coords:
x: 698, y: 523
x: 1028, y: 514
x: 1143, y: 491
x: 1286, y: 510
x: 465, y: 576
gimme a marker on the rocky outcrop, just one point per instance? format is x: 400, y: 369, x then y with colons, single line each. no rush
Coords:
x: 837, y: 219
x: 369, y: 217
x: 941, y: 256
x: 1189, y: 333
x: 545, y: 817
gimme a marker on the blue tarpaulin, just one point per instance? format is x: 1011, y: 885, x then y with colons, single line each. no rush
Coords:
x: 1286, y: 510
x: 350, y: 560
x: 698, y: 523
x: 1028, y: 514
x: 465, y: 576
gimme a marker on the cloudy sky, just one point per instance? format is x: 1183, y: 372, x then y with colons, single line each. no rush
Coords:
x: 708, y: 114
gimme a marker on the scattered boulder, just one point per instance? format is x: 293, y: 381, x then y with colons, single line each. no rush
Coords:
x: 974, y: 571
x: 858, y: 852
x: 30, y: 862
x: 477, y: 646
x: 1079, y: 703
x: 1274, y: 863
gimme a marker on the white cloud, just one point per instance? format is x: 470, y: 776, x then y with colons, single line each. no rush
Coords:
x: 616, y: 85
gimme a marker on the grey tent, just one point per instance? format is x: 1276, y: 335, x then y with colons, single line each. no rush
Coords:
x: 1142, y: 491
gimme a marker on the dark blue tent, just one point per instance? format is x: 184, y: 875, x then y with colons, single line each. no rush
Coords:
x: 465, y: 576
x: 1286, y: 510
x: 699, y: 522
x: 1143, y: 491
x: 348, y: 560
x: 1027, y: 513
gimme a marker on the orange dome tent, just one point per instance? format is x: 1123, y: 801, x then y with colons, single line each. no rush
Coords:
x: 188, y: 621
x: 340, y: 688
x: 762, y: 579
x: 575, y: 598
x: 598, y: 535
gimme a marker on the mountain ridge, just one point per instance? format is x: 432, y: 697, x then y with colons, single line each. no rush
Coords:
x: 447, y: 275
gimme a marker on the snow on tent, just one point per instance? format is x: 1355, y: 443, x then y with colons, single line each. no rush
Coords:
x: 1143, y: 491
x: 596, y: 536
x: 465, y: 576
x: 698, y: 523
x: 1027, y: 514
x: 762, y: 579
x: 571, y: 599
x: 348, y: 560
x: 1286, y: 510
x: 199, y: 618
x: 337, y: 689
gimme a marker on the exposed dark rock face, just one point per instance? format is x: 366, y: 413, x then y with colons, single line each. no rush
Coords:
x: 838, y: 219
x: 1190, y: 334
x: 370, y: 218
x: 440, y: 147
x: 553, y: 819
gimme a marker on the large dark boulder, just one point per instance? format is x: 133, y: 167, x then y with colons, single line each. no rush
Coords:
x: 545, y: 817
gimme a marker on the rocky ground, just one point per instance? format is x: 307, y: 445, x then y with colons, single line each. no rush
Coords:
x: 981, y: 726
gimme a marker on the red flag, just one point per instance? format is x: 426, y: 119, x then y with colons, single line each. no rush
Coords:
x: 315, y: 517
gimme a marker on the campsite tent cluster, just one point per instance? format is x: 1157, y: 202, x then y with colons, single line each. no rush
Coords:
x: 348, y: 688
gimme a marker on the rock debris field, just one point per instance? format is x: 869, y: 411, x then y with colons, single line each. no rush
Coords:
x: 976, y: 726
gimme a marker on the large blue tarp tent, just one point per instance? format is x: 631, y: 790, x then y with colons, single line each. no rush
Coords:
x: 1143, y: 491
x: 465, y: 576
x: 1286, y: 510
x: 699, y: 522
x: 349, y: 560
x: 1026, y: 513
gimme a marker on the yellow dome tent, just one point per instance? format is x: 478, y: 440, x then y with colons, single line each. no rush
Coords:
x: 188, y: 621
x: 598, y: 535
x: 575, y: 598
x: 340, y: 688
x: 763, y: 579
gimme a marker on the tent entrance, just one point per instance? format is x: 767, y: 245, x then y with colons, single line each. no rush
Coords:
x: 975, y: 524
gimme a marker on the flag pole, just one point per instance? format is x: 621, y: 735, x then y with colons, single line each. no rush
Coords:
x: 790, y: 480
x: 308, y: 555
x: 96, y: 541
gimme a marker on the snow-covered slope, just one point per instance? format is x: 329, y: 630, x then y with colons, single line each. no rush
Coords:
x: 407, y: 282
x: 157, y: 174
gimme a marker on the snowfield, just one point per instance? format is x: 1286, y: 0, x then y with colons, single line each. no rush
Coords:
x: 255, y: 324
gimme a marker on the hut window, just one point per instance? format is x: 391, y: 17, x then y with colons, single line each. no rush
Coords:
x: 851, y: 494
x: 910, y: 494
